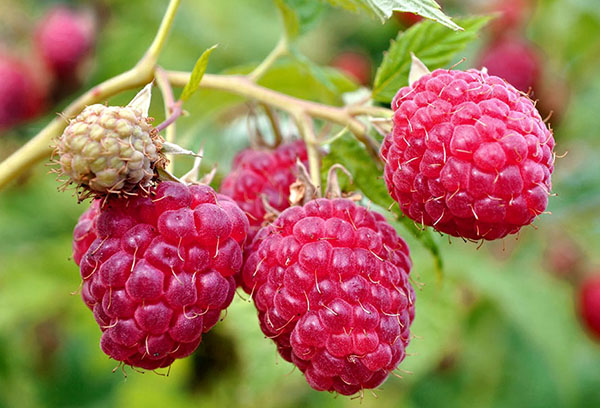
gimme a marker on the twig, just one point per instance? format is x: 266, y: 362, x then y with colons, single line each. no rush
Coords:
x: 275, y: 125
x: 240, y: 85
x: 176, y: 111
x: 376, y: 111
x: 306, y: 127
x: 280, y: 50
x: 163, y: 31
x: 169, y: 101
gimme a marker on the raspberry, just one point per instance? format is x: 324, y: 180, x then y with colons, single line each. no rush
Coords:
x: 84, y: 233
x: 21, y: 96
x: 354, y: 64
x: 407, y: 19
x: 330, y: 282
x: 563, y: 257
x: 258, y: 173
x: 515, y: 60
x: 588, y: 304
x: 468, y: 155
x: 110, y: 149
x: 513, y: 14
x: 64, y: 38
x: 157, y: 271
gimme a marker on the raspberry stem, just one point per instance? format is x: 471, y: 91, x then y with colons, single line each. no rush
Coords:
x: 163, y: 31
x: 175, y: 112
x: 306, y: 127
x: 169, y: 100
x: 375, y: 111
x: 170, y: 108
x: 280, y: 50
x: 302, y: 111
x: 296, y: 107
x: 272, y: 116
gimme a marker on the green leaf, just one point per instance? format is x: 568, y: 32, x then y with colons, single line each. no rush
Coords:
x: 325, y: 76
x: 383, y: 9
x: 197, y: 74
x: 347, y: 151
x: 431, y: 43
x: 298, y: 15
x: 299, y: 77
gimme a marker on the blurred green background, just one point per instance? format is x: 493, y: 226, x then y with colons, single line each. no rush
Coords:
x: 499, y: 329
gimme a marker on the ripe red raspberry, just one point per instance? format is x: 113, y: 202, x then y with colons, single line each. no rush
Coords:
x: 258, y: 173
x: 468, y: 154
x: 355, y: 64
x: 407, y: 19
x: 157, y: 271
x: 330, y: 282
x: 588, y: 305
x: 64, y: 38
x: 512, y: 14
x: 515, y: 60
x: 563, y: 257
x: 21, y: 95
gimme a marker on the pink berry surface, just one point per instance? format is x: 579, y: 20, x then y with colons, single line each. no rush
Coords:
x: 468, y: 154
x: 514, y: 60
x: 21, y: 95
x: 330, y: 283
x: 158, y: 271
x: 64, y: 38
x: 589, y: 305
x: 263, y: 173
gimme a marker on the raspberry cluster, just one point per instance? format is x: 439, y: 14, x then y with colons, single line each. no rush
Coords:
x: 157, y: 271
x: 468, y: 154
x: 330, y: 282
x: 262, y: 173
x: 515, y: 60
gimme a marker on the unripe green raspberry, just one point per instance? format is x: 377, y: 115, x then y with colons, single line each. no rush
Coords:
x: 110, y: 149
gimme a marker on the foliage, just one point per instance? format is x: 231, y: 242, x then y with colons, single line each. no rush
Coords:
x: 431, y: 43
x: 197, y: 74
x: 383, y: 9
